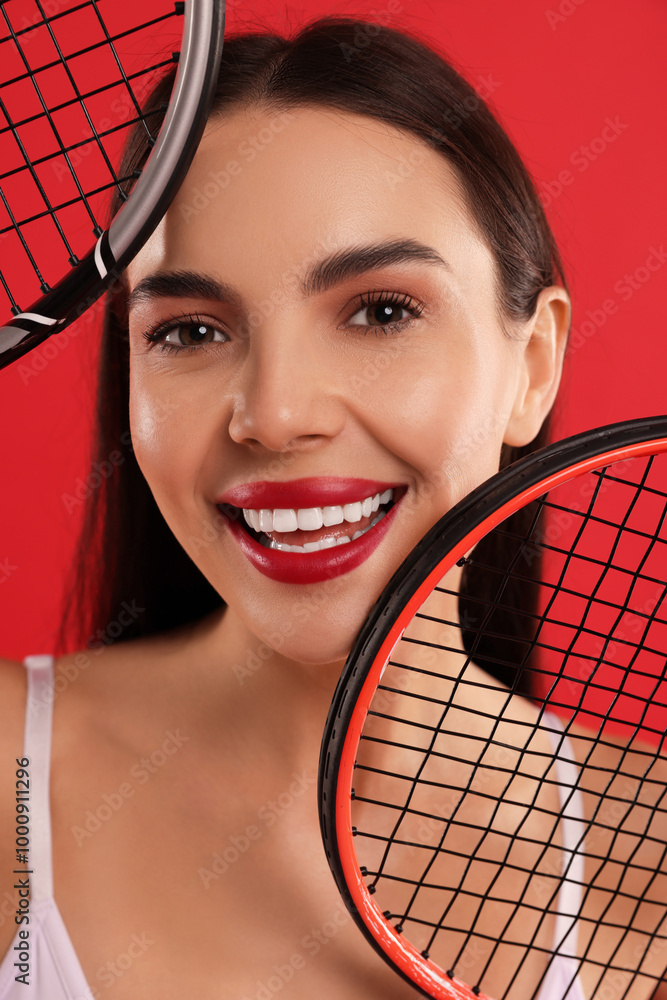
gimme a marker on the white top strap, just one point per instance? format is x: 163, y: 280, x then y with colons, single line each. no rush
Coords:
x: 573, y: 831
x: 37, y: 747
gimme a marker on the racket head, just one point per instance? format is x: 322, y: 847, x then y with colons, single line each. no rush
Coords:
x: 439, y: 555
x: 83, y: 276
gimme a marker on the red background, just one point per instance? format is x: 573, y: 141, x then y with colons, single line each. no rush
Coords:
x: 560, y: 70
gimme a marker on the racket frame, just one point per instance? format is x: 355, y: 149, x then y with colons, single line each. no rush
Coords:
x: 454, y: 534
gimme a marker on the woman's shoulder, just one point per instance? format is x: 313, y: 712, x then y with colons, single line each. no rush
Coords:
x: 123, y: 694
x: 82, y: 680
x: 77, y: 677
x: 100, y: 693
x: 12, y: 678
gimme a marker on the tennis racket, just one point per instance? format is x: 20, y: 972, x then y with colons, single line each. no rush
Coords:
x: 69, y: 92
x: 488, y: 843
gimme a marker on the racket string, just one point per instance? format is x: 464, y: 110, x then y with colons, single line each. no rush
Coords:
x: 481, y: 739
x: 467, y: 867
x: 110, y: 42
x: 89, y: 120
x: 24, y: 244
x: 502, y: 796
x: 66, y: 73
x: 33, y: 173
x: 606, y: 566
x: 71, y: 102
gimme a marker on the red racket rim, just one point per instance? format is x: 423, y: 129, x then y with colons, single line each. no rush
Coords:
x: 407, y: 959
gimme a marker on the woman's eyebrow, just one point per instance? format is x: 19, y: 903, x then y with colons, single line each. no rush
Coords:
x: 324, y: 274
x: 348, y: 263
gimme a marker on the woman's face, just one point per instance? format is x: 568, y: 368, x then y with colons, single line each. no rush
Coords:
x: 313, y: 336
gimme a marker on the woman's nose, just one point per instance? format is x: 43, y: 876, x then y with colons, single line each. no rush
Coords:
x: 288, y: 394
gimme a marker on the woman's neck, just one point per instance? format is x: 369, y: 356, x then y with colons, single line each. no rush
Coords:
x: 280, y: 703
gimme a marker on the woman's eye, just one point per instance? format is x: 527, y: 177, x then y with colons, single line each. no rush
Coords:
x: 384, y: 313
x: 186, y: 336
x: 190, y: 334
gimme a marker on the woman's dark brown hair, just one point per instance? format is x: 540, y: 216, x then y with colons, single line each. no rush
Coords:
x: 126, y: 551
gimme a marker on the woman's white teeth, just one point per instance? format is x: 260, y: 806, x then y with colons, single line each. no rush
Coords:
x: 332, y: 515
x: 265, y: 520
x: 284, y: 520
x: 324, y: 543
x: 309, y: 519
x: 252, y: 517
x: 312, y: 518
x: 352, y: 512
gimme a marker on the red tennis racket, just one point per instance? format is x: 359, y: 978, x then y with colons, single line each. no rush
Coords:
x: 490, y: 843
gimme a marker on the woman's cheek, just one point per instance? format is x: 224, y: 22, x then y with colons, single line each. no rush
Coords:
x: 448, y: 427
x: 164, y: 442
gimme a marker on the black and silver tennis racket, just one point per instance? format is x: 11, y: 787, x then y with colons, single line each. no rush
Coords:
x: 68, y: 96
x: 489, y: 843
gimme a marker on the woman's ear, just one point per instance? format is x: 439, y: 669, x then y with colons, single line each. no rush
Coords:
x: 543, y: 343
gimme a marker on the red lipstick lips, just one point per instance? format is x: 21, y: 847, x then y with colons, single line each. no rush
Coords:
x: 320, y: 491
x: 307, y: 567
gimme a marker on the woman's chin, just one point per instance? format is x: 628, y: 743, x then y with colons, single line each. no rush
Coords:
x: 315, y: 629
x: 316, y: 649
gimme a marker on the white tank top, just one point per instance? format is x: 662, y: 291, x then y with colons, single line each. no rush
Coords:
x: 55, y: 972
x: 54, y: 969
x: 561, y: 981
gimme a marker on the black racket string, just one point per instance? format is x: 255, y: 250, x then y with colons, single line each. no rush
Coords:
x: 26, y: 190
x: 561, y: 508
x: 645, y: 618
x: 606, y: 565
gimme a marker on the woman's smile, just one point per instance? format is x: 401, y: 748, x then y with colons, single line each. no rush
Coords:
x: 304, y: 539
